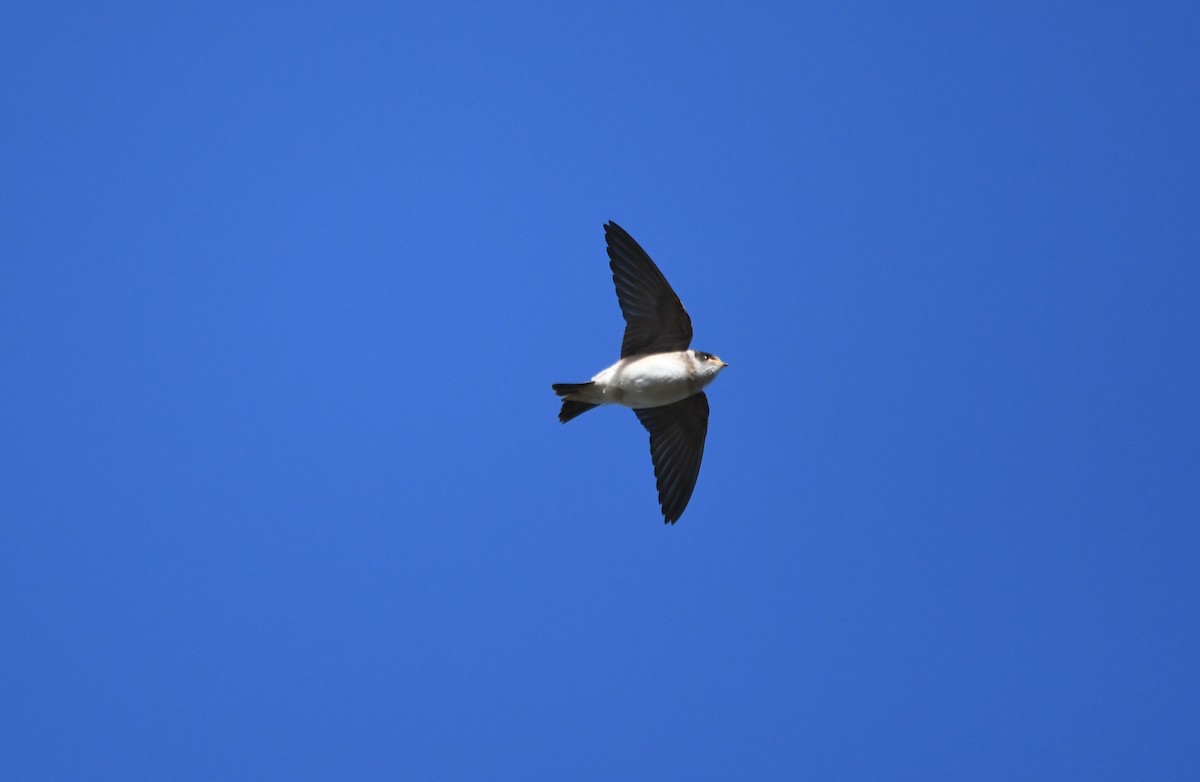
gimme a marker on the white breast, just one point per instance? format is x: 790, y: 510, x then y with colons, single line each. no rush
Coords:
x: 648, y: 381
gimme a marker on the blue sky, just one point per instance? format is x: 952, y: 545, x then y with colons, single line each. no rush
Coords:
x: 283, y: 290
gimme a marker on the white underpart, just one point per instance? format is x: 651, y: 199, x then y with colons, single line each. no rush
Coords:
x: 650, y: 381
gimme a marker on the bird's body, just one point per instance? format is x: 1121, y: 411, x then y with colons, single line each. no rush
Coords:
x: 657, y: 375
x: 651, y: 380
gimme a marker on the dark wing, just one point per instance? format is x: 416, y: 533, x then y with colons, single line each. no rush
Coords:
x: 677, y: 434
x: 655, y: 321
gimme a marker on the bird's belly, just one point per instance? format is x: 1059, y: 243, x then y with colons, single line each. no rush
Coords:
x: 656, y: 396
x: 651, y: 381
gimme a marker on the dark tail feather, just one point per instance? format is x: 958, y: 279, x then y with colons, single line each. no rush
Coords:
x: 571, y: 408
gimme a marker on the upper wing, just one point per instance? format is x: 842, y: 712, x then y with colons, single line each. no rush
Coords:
x: 677, y: 434
x: 655, y: 321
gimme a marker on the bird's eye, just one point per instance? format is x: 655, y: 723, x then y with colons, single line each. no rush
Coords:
x: 703, y: 356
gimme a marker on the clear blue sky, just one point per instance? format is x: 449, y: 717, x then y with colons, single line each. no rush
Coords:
x: 283, y: 290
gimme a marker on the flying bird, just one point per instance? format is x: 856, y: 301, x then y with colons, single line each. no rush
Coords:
x: 657, y: 375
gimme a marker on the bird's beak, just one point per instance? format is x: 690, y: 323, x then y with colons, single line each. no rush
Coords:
x: 723, y: 364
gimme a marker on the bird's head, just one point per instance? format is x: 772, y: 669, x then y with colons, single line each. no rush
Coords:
x: 707, y: 363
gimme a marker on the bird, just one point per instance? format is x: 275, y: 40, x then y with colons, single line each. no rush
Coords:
x: 658, y: 375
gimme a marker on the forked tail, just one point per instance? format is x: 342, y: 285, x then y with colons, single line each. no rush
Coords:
x: 570, y: 407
